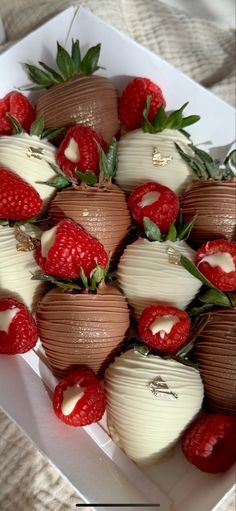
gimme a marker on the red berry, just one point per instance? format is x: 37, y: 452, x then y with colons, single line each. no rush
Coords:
x: 72, y: 248
x: 210, y: 443
x: 18, y: 331
x: 133, y: 99
x: 222, y: 277
x: 156, y: 202
x: 78, y: 399
x: 79, y: 150
x: 19, y: 107
x: 18, y: 199
x: 171, y: 332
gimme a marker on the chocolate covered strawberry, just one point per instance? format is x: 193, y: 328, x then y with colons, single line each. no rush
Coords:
x: 19, y: 107
x: 78, y: 327
x: 79, y: 400
x: 133, y: 99
x: 96, y: 204
x: 18, y: 331
x: 209, y: 443
x: 150, y: 270
x: 163, y: 328
x: 149, y: 153
x: 156, y: 202
x: 74, y: 95
x: 150, y: 401
x: 80, y: 150
x: 210, y: 196
x: 67, y: 249
x: 18, y: 199
x: 216, y: 260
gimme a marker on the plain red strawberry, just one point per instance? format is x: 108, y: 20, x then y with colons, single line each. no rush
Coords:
x: 18, y: 331
x: 209, y: 443
x: 19, y: 107
x: 225, y: 281
x: 162, y: 341
x: 90, y: 405
x: 84, y: 150
x: 18, y: 199
x: 72, y: 249
x: 162, y: 205
x: 133, y: 99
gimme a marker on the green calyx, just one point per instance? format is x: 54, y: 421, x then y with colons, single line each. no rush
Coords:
x: 163, y: 121
x: 210, y: 296
x: 36, y: 129
x: 107, y: 166
x: 205, y: 167
x: 68, y: 64
x: 90, y: 283
x: 178, y: 231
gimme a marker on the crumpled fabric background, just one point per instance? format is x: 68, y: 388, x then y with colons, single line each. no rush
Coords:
x: 202, y: 50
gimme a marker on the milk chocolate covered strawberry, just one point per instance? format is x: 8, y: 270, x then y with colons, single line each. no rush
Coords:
x: 74, y: 95
x: 210, y: 196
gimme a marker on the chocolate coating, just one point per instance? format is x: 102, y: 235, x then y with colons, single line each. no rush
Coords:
x: 102, y: 212
x: 214, y: 203
x: 215, y: 354
x: 87, y: 100
x: 82, y: 329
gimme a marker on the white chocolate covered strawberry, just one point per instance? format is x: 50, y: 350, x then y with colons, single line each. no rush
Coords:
x: 150, y: 154
x: 17, y: 267
x: 150, y: 401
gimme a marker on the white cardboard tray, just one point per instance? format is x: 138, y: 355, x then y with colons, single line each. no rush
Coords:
x: 98, y: 470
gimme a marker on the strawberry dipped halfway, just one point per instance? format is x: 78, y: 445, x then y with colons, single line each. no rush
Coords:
x: 148, y: 152
x: 83, y: 321
x: 89, y: 196
x: 18, y: 331
x: 74, y: 94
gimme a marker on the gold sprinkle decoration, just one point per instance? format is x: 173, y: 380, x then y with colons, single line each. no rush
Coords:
x: 35, y: 152
x: 25, y: 242
x: 160, y: 389
x: 158, y: 159
x: 174, y: 256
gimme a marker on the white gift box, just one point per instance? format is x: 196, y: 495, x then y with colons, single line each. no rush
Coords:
x: 98, y: 470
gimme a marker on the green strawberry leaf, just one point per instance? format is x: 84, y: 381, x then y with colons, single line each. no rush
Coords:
x: 215, y: 297
x: 179, y: 223
x: 39, y: 77
x: 76, y: 55
x: 89, y: 63
x: 51, y: 133
x: 108, y: 161
x: 37, y: 127
x: 188, y: 121
x: 142, y: 349
x: 185, y: 350
x: 88, y: 177
x: 64, y: 62
x: 172, y: 233
x: 15, y: 124
x: 152, y: 232
x: 60, y: 180
x: 62, y: 283
x: 162, y: 120
x: 185, y: 231
x: 191, y: 268
x: 96, y: 276
x: 55, y: 76
x: 84, y: 278
x: 196, y: 311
